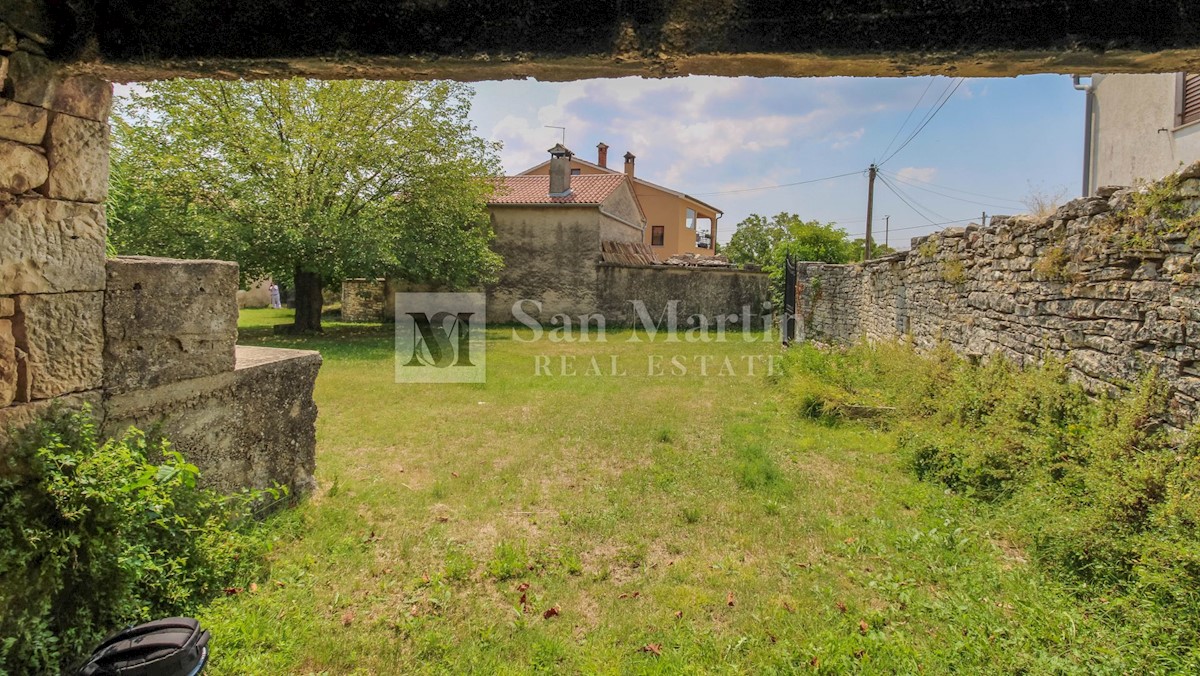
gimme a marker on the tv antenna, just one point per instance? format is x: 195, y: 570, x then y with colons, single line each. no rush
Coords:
x: 564, y: 131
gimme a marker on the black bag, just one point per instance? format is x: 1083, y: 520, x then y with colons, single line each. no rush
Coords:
x: 173, y: 647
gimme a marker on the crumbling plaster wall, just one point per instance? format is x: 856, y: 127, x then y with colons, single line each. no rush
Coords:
x: 1095, y: 285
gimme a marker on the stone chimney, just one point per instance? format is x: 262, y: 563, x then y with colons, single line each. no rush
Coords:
x: 602, y: 154
x: 629, y: 158
x: 560, y: 171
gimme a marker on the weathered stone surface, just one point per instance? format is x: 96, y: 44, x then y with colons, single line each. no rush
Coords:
x: 51, y: 246
x: 63, y: 336
x: 21, y: 122
x: 8, y: 364
x: 32, y: 78
x: 22, y: 168
x: 167, y: 320
x: 363, y: 300
x: 83, y: 96
x: 78, y: 154
x: 7, y: 307
x: 251, y: 427
x: 8, y: 39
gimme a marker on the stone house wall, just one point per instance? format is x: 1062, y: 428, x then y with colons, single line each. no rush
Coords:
x: 1109, y: 287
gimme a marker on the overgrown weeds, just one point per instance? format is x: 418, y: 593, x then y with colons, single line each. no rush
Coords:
x: 1098, y: 490
x: 95, y: 536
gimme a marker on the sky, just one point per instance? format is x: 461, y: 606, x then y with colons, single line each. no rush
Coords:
x: 994, y: 142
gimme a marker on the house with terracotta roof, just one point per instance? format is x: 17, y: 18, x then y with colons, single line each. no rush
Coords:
x: 676, y: 223
x: 550, y: 229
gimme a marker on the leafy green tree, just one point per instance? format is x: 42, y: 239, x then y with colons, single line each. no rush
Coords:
x: 877, y: 249
x: 312, y: 181
x: 768, y: 242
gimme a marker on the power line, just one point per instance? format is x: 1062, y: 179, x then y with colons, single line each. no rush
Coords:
x: 914, y: 201
x: 907, y: 117
x: 902, y: 179
x: 924, y: 225
x: 965, y: 192
x: 918, y: 212
x: 772, y: 187
x: 928, y: 119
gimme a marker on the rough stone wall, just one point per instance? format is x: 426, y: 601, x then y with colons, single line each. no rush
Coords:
x: 53, y: 181
x: 250, y: 426
x: 1110, y: 284
x: 363, y: 300
x: 705, y: 291
x: 167, y: 320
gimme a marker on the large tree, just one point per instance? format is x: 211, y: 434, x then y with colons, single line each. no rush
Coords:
x: 308, y: 181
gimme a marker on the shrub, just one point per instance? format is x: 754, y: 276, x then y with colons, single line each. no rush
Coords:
x: 94, y: 536
x: 953, y: 272
x: 1097, y: 489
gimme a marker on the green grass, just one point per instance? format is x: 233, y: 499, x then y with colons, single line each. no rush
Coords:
x: 698, y: 514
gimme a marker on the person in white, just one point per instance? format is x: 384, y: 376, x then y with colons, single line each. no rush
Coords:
x: 275, y: 296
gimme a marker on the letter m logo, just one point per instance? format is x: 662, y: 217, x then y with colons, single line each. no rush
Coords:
x: 440, y: 338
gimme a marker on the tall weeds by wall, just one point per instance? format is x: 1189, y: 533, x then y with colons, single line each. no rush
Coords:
x: 1098, y: 491
x: 1109, y: 285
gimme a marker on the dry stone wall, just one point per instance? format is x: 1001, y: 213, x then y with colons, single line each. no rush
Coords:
x: 363, y: 300
x: 1110, y: 284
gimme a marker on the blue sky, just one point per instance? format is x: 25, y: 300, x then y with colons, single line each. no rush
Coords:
x: 993, y: 143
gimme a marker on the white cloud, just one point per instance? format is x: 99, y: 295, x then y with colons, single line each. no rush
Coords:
x: 840, y: 140
x: 923, y: 174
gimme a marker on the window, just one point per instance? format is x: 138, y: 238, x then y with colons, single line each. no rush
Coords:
x: 656, y: 235
x: 1189, y: 98
x: 575, y: 172
x: 689, y: 221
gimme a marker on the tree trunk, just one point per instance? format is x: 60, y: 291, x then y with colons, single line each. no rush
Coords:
x: 308, y: 301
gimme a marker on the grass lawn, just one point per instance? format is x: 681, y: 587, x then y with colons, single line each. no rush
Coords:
x: 628, y: 524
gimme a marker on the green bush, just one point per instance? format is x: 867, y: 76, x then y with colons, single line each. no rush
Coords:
x: 1099, y: 491
x: 94, y: 536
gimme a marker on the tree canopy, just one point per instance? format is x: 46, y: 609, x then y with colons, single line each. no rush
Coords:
x: 306, y: 180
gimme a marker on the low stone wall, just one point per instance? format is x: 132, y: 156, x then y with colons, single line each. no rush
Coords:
x: 167, y: 320
x: 363, y: 300
x: 1110, y: 284
x: 251, y: 426
x: 703, y: 291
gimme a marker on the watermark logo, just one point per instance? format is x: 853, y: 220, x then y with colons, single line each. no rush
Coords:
x: 440, y: 338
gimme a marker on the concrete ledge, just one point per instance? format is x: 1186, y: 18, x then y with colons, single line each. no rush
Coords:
x: 247, y: 428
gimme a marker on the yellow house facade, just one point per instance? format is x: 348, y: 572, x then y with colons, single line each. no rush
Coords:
x: 675, y: 223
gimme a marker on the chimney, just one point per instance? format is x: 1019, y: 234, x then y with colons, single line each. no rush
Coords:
x: 629, y: 158
x: 602, y: 154
x: 560, y: 171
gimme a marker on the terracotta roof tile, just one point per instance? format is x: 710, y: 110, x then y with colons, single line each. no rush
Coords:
x: 585, y: 189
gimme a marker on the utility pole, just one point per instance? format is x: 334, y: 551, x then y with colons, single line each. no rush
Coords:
x: 887, y: 222
x: 983, y: 221
x: 870, y: 207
